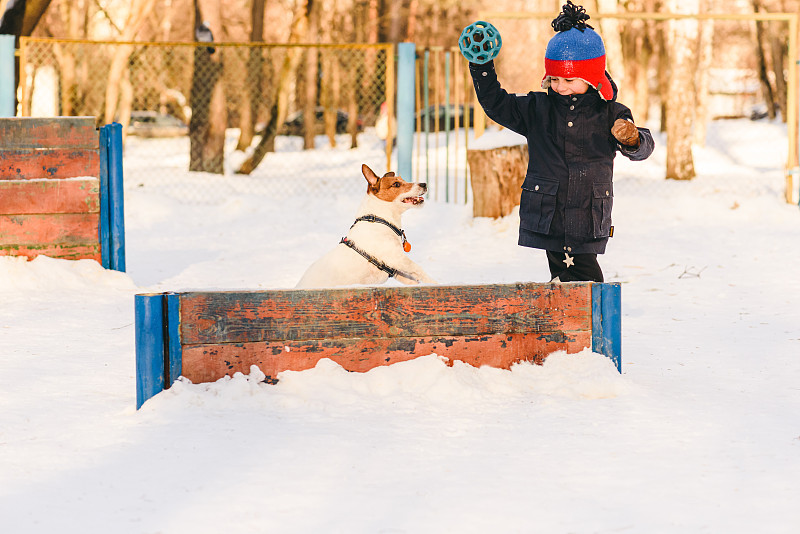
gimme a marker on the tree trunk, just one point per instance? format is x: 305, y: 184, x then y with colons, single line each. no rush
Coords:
x: 279, y: 105
x: 778, y: 52
x: 638, y: 46
x: 610, y: 30
x: 310, y: 83
x: 680, y: 94
x: 766, y: 85
x: 663, y: 72
x: 119, y: 62
x: 413, y: 10
x: 209, y: 114
x: 248, y: 112
x: 496, y: 176
x: 705, y: 56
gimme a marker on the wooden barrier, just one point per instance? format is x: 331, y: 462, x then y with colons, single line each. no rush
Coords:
x: 204, y: 336
x: 61, y: 189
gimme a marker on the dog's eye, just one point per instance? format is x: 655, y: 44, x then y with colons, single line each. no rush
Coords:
x: 396, y: 184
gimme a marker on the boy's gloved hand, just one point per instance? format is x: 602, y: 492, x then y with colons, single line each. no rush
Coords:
x: 625, y: 132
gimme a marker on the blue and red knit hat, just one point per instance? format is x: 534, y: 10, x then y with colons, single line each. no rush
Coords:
x: 576, y: 51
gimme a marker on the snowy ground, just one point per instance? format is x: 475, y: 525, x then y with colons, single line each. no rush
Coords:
x: 701, y: 432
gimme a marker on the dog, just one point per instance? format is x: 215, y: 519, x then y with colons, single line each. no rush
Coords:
x: 375, y: 246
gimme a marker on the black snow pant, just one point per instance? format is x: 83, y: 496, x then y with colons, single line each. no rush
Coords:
x: 574, y: 268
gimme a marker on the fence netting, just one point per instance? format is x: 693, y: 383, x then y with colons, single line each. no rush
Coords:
x: 196, y: 117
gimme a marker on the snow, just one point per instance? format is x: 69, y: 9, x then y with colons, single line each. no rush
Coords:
x: 700, y: 433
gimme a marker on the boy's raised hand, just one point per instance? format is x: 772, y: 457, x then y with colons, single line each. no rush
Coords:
x: 625, y: 132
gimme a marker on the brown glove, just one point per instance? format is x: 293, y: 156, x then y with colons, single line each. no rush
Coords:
x: 625, y: 132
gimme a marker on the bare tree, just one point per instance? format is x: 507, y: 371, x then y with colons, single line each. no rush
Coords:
x: 279, y: 105
x: 682, y: 39
x: 705, y: 56
x: 639, y: 48
x: 309, y: 97
x: 118, y: 73
x: 209, y: 114
x: 248, y: 112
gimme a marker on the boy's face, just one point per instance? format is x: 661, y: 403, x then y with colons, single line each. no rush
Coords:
x: 568, y: 86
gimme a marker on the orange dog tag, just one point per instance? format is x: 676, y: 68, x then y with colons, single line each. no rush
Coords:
x: 407, y: 246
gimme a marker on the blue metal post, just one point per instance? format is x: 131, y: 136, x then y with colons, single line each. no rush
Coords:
x: 607, y: 321
x: 149, y: 313
x: 105, y: 230
x: 174, y: 348
x: 116, y: 202
x: 7, y: 100
x: 405, y: 107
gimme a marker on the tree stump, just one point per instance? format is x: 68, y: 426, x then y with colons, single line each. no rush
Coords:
x: 496, y: 175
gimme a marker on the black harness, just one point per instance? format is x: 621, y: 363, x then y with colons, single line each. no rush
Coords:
x: 391, y: 271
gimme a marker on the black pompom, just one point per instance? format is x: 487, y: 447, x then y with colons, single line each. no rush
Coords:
x: 571, y: 16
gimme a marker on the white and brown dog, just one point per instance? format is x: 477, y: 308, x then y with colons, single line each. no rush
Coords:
x: 375, y: 247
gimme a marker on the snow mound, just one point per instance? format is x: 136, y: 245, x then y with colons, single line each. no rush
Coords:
x: 496, y: 138
x: 49, y: 274
x: 424, y: 381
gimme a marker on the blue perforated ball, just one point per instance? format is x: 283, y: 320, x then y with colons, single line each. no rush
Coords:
x: 480, y: 42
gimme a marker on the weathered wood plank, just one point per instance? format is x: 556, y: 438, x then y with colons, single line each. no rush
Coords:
x: 66, y: 251
x: 49, y: 132
x: 29, y: 164
x: 207, y: 363
x: 383, y: 312
x: 38, y: 229
x: 24, y: 197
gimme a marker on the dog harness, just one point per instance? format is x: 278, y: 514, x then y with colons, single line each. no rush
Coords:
x: 398, y: 231
x: 391, y: 271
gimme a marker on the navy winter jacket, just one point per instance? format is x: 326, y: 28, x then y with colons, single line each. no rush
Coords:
x: 567, y: 193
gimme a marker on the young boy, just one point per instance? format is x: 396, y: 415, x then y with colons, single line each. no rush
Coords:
x: 574, y: 131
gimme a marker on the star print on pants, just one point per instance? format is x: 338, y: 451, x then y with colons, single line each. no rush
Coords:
x: 569, y: 261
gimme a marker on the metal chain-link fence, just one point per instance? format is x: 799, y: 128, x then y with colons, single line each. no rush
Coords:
x: 211, y: 119
x: 240, y: 117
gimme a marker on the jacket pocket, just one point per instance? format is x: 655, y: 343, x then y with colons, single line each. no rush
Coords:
x: 538, y: 204
x: 602, y: 201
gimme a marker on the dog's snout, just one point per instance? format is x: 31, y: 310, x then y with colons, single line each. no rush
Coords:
x: 424, y: 186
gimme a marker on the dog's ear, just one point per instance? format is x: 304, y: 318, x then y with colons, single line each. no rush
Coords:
x: 371, y: 177
x: 389, y: 175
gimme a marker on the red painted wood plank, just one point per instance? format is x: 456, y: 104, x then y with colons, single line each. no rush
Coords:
x: 23, y: 197
x: 64, y: 229
x: 70, y: 251
x: 376, y: 312
x: 49, y: 132
x: 32, y: 163
x: 207, y: 363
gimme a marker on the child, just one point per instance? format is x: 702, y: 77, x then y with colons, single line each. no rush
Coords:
x: 574, y: 131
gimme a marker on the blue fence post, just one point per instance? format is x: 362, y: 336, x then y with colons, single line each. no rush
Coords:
x: 173, y: 332
x: 112, y: 205
x: 405, y: 108
x: 149, y: 319
x: 607, y: 321
x: 105, y: 229
x: 7, y: 89
x: 116, y: 198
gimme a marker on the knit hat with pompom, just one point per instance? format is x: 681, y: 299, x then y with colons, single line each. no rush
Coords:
x: 576, y: 51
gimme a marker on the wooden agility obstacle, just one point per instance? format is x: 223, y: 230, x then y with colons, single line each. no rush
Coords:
x: 61, y: 191
x: 205, y: 336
